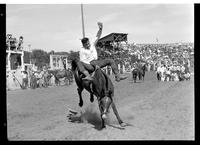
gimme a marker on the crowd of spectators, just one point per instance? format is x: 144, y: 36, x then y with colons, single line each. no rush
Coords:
x: 164, y: 53
x: 172, y: 56
x: 176, y: 59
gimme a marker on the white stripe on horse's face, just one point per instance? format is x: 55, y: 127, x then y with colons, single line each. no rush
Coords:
x: 107, y: 100
x: 106, y: 104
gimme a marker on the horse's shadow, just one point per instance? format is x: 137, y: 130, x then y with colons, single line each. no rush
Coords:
x: 86, y: 117
x: 92, y: 118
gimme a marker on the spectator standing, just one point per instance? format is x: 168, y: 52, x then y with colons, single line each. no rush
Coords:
x: 24, y: 79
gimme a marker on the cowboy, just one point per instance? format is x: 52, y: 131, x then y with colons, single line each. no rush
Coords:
x: 89, y: 58
x: 158, y: 72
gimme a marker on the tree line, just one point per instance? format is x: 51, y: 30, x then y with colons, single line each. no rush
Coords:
x: 41, y: 58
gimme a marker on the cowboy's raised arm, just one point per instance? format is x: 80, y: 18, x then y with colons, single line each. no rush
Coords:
x: 99, y: 32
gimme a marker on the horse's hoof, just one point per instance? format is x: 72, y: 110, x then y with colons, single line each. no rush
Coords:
x: 102, y: 127
x: 104, y: 116
x: 123, y: 124
x: 91, y: 99
x: 80, y: 104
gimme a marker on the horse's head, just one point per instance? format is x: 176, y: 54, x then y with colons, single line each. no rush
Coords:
x: 104, y: 104
x: 73, y: 65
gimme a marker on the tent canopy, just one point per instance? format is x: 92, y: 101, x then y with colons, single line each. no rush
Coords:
x: 117, y: 37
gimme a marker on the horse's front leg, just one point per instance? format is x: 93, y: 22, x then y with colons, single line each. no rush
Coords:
x: 102, y: 122
x: 102, y: 118
x: 80, y: 96
x: 134, y: 78
x: 91, y: 97
x: 133, y: 75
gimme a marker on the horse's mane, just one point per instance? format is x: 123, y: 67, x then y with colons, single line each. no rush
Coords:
x: 104, y: 74
x: 108, y: 82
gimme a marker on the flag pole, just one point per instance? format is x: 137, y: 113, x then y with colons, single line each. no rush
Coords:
x: 83, y: 28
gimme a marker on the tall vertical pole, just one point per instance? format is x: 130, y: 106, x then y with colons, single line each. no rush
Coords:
x: 29, y: 46
x: 9, y: 56
x: 83, y: 28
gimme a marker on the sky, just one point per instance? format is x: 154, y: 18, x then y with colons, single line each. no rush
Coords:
x: 58, y: 27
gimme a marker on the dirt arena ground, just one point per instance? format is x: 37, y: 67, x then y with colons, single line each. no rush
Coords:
x: 155, y: 110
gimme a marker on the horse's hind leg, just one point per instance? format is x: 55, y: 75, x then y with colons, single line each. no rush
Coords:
x: 117, y: 115
x: 80, y: 96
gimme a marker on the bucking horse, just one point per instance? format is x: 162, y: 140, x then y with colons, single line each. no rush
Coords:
x: 102, y: 87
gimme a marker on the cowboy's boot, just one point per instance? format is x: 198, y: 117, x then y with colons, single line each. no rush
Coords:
x: 88, y: 77
x: 118, y: 77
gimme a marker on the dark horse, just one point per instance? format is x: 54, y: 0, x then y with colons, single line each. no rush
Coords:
x: 142, y: 68
x: 102, y: 87
x: 59, y: 74
x: 136, y: 73
x: 139, y: 72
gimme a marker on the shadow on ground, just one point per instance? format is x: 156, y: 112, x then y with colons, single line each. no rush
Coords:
x: 88, y: 116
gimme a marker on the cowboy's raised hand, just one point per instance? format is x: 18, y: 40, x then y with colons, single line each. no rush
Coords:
x: 100, y: 25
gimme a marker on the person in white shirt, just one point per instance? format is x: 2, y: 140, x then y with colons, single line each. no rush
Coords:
x: 158, y: 72
x: 162, y: 71
x: 89, y: 58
